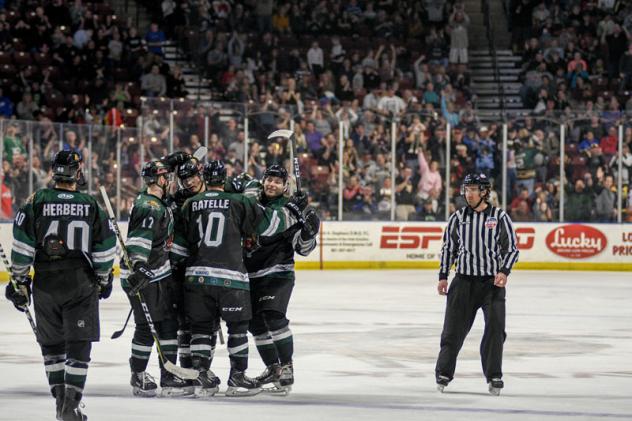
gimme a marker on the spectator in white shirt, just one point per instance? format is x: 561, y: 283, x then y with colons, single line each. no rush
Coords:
x: 391, y: 103
x: 315, y: 59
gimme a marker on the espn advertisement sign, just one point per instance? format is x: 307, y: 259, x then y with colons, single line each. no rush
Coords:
x: 409, y: 237
x: 418, y: 244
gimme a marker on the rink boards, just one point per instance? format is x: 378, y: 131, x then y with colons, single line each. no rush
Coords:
x: 417, y: 245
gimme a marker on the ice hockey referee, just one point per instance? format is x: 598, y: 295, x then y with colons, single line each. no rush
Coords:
x: 480, y: 240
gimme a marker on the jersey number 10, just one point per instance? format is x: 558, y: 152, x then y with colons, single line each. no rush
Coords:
x: 213, y: 234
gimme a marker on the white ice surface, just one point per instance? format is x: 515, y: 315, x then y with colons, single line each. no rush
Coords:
x: 365, y: 348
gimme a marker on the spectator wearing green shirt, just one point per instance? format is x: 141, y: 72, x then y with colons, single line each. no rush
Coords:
x: 13, y: 144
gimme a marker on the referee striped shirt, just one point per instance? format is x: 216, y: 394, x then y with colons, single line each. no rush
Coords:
x: 480, y: 243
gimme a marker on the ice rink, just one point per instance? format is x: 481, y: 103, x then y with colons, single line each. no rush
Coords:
x: 365, y: 348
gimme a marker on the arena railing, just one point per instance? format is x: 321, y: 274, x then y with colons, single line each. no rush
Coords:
x: 542, y: 157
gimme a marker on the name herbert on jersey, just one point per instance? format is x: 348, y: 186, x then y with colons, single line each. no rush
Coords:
x: 66, y: 209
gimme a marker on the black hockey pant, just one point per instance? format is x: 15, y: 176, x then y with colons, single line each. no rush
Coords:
x: 465, y: 296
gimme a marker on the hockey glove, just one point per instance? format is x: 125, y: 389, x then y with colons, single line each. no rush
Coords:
x: 310, y: 226
x: 140, y: 277
x: 239, y: 182
x: 175, y: 159
x: 296, y: 212
x: 105, y: 285
x: 21, y: 298
x: 299, y: 199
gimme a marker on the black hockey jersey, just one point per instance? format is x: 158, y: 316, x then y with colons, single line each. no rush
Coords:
x: 274, y: 256
x: 211, y: 236
x: 149, y: 236
x: 62, y: 229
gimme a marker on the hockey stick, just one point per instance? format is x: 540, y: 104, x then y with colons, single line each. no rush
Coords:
x: 118, y: 333
x: 287, y: 134
x: 220, y: 332
x: 7, y: 266
x: 183, y: 373
x: 200, y: 153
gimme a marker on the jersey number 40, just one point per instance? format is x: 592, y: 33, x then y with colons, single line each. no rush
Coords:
x: 74, y: 230
x: 212, y: 234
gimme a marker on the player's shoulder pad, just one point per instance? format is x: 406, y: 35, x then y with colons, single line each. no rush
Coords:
x: 149, y: 204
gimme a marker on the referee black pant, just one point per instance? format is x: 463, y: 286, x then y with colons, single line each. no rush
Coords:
x: 465, y: 296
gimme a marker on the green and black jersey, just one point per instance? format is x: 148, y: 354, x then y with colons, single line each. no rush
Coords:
x: 175, y: 203
x: 274, y: 258
x: 149, y: 236
x: 211, y: 236
x: 62, y: 229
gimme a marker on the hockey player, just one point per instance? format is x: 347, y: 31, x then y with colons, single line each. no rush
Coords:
x: 216, y: 281
x: 150, y: 233
x: 68, y: 240
x: 481, y: 240
x: 271, y: 272
x: 190, y: 183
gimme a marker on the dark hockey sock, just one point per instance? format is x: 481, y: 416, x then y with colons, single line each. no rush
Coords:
x: 54, y: 360
x: 263, y: 340
x: 279, y: 329
x: 201, y: 348
x: 168, y: 336
x: 141, y: 348
x: 284, y: 343
x: 238, y: 345
x: 78, y: 358
x: 266, y: 349
x: 184, y: 348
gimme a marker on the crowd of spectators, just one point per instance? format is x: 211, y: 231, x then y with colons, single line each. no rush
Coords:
x: 577, y: 70
x: 79, y: 63
x: 577, y: 55
x: 406, y: 68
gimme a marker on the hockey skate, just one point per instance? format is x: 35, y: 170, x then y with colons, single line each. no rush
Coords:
x: 286, y: 379
x: 241, y: 385
x: 72, y: 402
x: 172, y: 386
x: 495, y: 385
x: 143, y: 385
x: 442, y: 382
x: 269, y: 379
x: 206, y: 385
x: 58, y: 393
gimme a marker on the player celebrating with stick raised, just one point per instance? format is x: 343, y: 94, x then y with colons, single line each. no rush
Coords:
x: 271, y: 271
x: 481, y: 240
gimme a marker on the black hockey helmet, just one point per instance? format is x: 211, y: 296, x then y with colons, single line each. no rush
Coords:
x: 188, y: 169
x: 275, y: 170
x: 65, y: 166
x: 215, y: 173
x: 185, y: 172
x: 474, y: 179
x: 152, y: 170
x: 483, y: 183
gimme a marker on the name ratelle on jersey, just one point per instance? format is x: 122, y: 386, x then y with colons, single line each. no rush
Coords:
x: 71, y: 219
x: 149, y: 236
x: 211, y: 236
